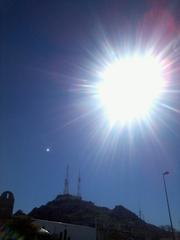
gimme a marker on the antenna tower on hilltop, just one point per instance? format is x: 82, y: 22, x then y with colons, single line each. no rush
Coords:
x: 66, y: 181
x: 79, y: 186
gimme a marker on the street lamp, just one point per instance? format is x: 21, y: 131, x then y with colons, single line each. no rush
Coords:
x: 167, y: 200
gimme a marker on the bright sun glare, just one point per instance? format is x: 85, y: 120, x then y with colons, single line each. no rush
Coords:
x: 130, y: 87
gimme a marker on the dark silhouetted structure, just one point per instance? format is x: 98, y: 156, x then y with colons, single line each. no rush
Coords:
x: 6, y: 204
x: 79, y: 186
x: 66, y: 182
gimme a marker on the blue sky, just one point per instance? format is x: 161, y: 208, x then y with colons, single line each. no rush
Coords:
x: 48, y: 48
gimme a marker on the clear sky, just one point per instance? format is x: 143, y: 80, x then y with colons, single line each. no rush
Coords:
x: 48, y: 50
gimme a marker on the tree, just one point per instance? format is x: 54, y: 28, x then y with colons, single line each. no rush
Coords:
x: 23, y: 227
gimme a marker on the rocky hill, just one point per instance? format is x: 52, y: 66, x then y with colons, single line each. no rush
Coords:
x: 70, y: 209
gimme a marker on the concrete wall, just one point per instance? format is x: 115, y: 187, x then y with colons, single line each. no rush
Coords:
x: 75, y: 232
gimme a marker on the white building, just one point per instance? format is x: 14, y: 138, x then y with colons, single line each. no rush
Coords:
x: 72, y: 231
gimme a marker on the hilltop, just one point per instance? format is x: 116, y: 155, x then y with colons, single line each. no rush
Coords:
x: 71, y: 209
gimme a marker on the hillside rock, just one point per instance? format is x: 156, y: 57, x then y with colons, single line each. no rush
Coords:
x: 70, y: 209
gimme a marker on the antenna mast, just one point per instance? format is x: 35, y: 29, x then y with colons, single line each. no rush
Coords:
x: 140, y: 213
x: 66, y: 181
x: 79, y: 186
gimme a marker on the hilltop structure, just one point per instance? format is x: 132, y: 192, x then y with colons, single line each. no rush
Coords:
x: 66, y: 195
x: 79, y: 186
x: 66, y: 182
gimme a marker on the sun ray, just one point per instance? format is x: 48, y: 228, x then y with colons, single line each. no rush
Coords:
x: 170, y: 108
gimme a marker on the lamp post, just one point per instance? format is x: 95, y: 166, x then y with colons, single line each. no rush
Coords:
x: 167, y: 200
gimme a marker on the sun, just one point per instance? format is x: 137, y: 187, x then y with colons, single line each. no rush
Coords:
x: 130, y: 87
